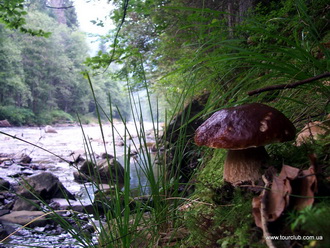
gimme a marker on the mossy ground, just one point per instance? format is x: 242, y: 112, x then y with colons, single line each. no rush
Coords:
x: 222, y: 215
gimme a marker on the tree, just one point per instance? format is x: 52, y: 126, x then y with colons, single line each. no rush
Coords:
x: 13, y: 90
x: 12, y: 14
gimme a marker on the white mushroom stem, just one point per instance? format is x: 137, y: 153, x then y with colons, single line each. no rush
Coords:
x: 244, y: 165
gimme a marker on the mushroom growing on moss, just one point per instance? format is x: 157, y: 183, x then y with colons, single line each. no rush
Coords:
x: 244, y: 131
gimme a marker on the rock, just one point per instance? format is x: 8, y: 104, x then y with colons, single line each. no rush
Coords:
x: 63, y: 204
x: 50, y: 129
x: 24, y: 204
x: 4, y: 123
x: 44, y: 185
x: 4, y: 211
x: 80, y: 177
x: 173, y: 136
x: 3, y: 232
x: 106, y: 155
x: 4, y: 184
x: 119, y: 143
x: 4, y: 159
x: 105, y: 171
x: 7, y: 200
x: 24, y: 217
x: 25, y: 159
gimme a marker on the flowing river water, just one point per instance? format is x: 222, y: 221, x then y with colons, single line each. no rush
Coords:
x: 68, y: 143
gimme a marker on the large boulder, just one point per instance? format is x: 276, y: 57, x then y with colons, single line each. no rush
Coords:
x: 24, y: 217
x: 174, y: 135
x: 107, y: 171
x: 43, y: 186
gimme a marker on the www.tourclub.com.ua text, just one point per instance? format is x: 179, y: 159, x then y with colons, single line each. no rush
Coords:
x: 294, y: 237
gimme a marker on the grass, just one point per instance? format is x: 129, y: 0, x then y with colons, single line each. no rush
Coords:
x: 163, y: 213
x: 126, y: 216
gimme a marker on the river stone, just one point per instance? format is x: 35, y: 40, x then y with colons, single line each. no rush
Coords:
x: 4, y: 184
x: 3, y: 232
x: 23, y: 204
x: 45, y: 186
x: 50, y: 129
x: 25, y: 159
x: 24, y: 217
x: 105, y: 171
x: 4, y: 123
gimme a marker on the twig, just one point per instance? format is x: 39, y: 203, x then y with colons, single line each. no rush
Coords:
x: 263, y: 214
x: 63, y: 7
x: 288, y: 86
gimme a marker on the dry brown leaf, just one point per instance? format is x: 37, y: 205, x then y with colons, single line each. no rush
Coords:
x: 289, y: 172
x: 304, y: 188
x: 290, y: 182
x: 279, y: 195
x: 256, y: 204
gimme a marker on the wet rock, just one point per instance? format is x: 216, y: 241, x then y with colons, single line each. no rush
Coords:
x: 37, y: 167
x: 3, y: 232
x: 4, y: 184
x: 4, y: 158
x: 50, y: 129
x: 24, y: 204
x: 4, y: 123
x: 25, y: 159
x: 24, y: 217
x: 119, y: 143
x: 106, y: 156
x: 173, y: 136
x: 4, y: 211
x: 7, y: 200
x: 105, y: 171
x: 45, y: 186
x: 81, y: 177
x: 77, y: 206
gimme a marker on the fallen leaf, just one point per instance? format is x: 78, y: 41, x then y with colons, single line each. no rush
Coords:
x: 304, y: 188
x: 256, y: 204
x: 292, y: 187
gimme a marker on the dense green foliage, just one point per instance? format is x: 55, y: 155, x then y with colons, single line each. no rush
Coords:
x: 228, y: 48
x: 189, y: 47
x: 42, y: 75
x: 12, y: 14
x: 181, y: 49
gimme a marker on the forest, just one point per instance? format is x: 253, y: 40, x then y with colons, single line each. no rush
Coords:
x: 42, y: 78
x: 193, y: 59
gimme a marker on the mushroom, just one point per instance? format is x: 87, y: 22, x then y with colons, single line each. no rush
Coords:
x: 244, y: 131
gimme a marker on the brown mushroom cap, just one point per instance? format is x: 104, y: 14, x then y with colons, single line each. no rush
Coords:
x: 249, y: 125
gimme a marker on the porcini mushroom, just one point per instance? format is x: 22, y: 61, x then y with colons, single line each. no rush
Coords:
x: 244, y: 131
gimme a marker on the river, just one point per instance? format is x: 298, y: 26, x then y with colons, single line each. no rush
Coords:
x: 67, y: 141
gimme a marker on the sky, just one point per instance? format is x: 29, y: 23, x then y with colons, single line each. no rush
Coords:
x: 88, y: 10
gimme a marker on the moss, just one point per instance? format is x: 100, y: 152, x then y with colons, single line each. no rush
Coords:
x: 211, y: 176
x: 298, y: 156
x: 229, y: 225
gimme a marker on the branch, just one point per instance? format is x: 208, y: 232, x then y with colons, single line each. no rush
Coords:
x: 263, y: 214
x: 288, y: 86
x: 65, y: 7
